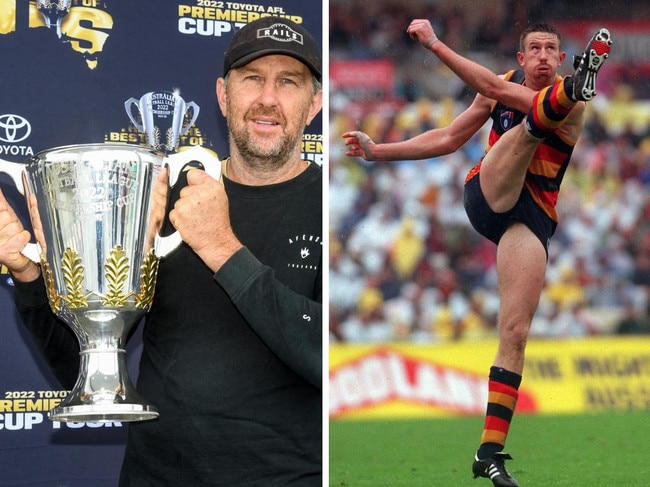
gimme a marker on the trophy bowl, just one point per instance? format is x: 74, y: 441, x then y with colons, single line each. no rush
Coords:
x: 96, y: 210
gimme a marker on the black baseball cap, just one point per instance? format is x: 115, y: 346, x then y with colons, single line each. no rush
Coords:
x: 272, y: 35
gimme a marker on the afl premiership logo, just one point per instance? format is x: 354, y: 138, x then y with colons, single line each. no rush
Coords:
x: 507, y: 119
x: 14, y: 128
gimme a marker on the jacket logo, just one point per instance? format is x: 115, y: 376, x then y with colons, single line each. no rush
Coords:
x: 305, y: 250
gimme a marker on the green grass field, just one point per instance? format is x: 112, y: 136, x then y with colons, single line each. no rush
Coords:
x: 595, y: 450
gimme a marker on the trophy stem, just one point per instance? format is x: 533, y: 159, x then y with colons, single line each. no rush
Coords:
x: 103, y: 392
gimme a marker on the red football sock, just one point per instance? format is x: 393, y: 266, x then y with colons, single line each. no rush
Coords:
x: 503, y: 391
x: 551, y: 106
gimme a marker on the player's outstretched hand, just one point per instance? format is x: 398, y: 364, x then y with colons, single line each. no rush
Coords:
x: 421, y: 30
x: 358, y: 144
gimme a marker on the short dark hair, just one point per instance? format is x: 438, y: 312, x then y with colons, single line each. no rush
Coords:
x: 538, y: 28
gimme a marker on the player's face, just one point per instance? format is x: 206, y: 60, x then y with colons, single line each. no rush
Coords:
x: 541, y: 57
x: 268, y: 103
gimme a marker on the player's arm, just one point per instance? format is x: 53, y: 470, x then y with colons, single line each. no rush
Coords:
x: 433, y: 143
x: 473, y: 74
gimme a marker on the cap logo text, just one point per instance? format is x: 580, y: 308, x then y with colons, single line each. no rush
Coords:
x: 280, y: 33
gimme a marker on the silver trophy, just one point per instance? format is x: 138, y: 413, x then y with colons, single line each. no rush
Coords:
x: 161, y: 116
x: 96, y: 211
x: 53, y: 12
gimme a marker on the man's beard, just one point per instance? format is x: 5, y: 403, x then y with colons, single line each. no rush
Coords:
x: 260, y: 154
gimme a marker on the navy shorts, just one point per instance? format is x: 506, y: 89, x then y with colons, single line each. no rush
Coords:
x: 493, y: 225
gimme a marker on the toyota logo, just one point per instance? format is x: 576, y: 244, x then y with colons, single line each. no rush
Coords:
x: 14, y: 128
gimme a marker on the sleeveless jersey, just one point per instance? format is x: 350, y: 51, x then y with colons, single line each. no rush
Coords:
x: 549, y: 163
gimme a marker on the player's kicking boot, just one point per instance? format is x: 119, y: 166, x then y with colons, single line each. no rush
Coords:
x: 587, y: 66
x: 494, y: 469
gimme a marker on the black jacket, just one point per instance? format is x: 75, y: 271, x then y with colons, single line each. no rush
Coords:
x: 232, y: 361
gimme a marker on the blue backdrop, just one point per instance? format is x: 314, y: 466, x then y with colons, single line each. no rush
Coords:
x: 67, y: 84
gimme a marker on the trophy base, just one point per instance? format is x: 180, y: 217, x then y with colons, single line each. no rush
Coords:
x: 102, y: 413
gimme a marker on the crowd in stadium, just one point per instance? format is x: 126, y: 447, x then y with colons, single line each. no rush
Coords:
x: 404, y: 262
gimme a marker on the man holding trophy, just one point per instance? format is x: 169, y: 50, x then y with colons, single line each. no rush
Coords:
x: 232, y: 343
